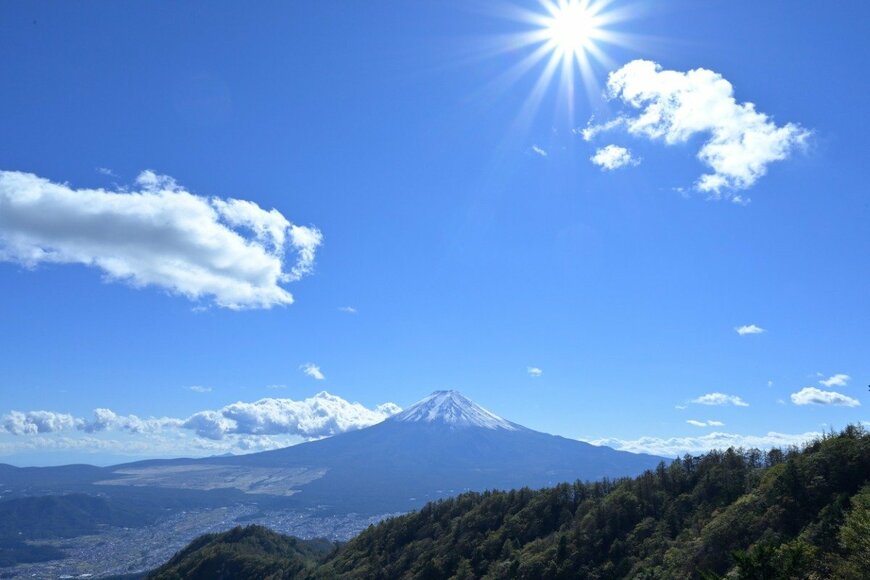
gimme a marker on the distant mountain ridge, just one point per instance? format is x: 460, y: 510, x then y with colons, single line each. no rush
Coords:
x: 440, y: 446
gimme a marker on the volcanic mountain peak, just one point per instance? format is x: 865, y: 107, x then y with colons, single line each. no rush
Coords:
x: 453, y: 409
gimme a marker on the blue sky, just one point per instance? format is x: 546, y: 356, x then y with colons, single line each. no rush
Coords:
x: 472, y: 239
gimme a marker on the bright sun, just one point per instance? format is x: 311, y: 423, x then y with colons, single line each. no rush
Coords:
x: 571, y: 27
x: 568, y: 38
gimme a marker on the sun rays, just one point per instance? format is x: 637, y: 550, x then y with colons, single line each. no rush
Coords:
x: 566, y: 41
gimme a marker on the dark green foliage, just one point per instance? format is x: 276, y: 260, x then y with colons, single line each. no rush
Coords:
x: 250, y: 552
x: 793, y: 514
x: 735, y: 514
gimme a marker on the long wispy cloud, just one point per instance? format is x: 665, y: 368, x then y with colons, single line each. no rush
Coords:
x: 720, y: 399
x: 708, y: 423
x: 814, y: 396
x: 227, y: 251
x: 838, y: 380
x: 674, y: 446
x: 674, y: 107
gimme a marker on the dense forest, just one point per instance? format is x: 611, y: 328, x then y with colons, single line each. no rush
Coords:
x: 797, y: 513
x: 251, y: 552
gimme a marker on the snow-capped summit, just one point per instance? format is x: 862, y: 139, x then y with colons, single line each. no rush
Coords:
x: 453, y: 409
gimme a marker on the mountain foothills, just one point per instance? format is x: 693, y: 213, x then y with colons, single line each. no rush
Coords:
x: 727, y: 514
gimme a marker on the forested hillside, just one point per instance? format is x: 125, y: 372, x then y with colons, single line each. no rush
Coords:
x: 741, y: 514
x: 251, y: 552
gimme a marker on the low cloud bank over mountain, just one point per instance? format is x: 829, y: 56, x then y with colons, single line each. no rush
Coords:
x: 265, y: 423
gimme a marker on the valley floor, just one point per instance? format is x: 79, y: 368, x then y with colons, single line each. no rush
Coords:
x: 118, y: 551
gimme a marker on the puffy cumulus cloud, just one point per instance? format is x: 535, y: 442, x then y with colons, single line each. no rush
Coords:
x: 319, y: 416
x: 814, y: 396
x: 613, y: 157
x: 33, y: 422
x: 108, y: 420
x: 720, y: 399
x: 749, y: 329
x: 674, y: 446
x: 229, y: 251
x: 674, y: 106
x: 237, y: 428
x: 534, y: 372
x: 388, y: 409
x: 708, y: 423
x: 313, y: 371
x: 838, y: 380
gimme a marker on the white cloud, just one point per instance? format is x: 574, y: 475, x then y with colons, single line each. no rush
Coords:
x: 674, y: 446
x: 313, y: 371
x: 538, y: 151
x: 814, y: 396
x: 124, y: 446
x: 720, y: 399
x: 534, y: 371
x: 106, y: 171
x: 749, y: 329
x: 681, y: 407
x: 613, y: 157
x: 347, y: 309
x: 229, y: 251
x: 319, y: 416
x: 199, y: 389
x: 240, y: 427
x: 838, y: 380
x: 388, y: 409
x: 33, y: 422
x: 697, y: 423
x: 592, y: 129
x: 108, y: 420
x: 675, y: 106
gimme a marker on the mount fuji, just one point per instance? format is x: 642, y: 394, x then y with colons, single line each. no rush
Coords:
x: 441, y: 446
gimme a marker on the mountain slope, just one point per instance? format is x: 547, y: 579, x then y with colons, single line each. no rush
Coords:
x: 794, y: 515
x: 439, y: 447
x: 744, y: 514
